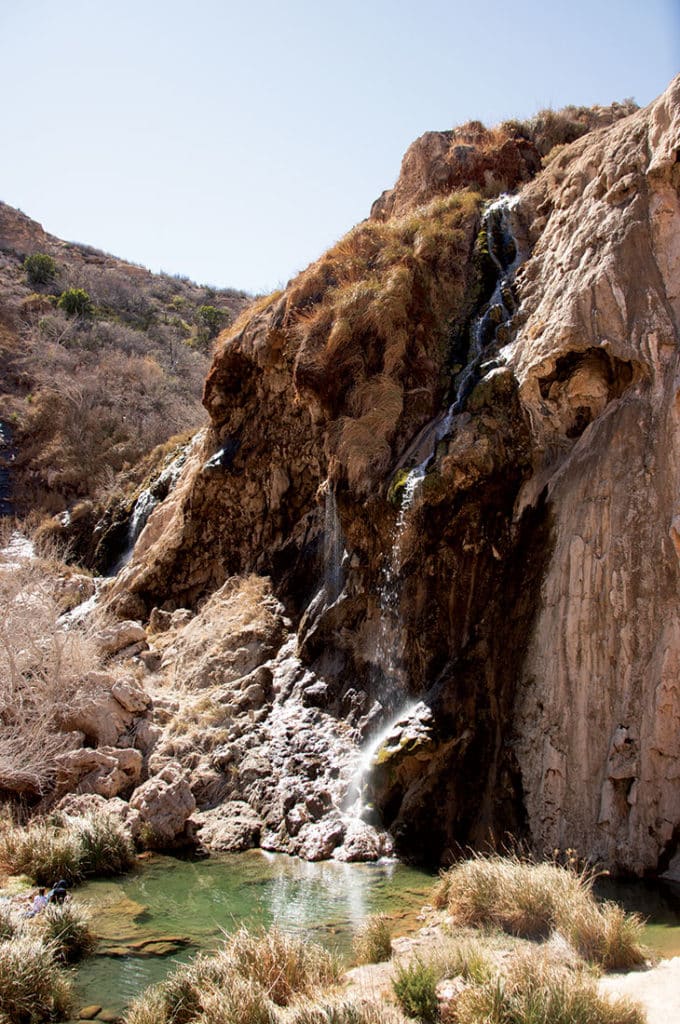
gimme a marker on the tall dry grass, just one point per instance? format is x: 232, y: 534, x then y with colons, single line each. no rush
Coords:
x: 534, y: 899
x: 535, y: 989
x: 41, y: 667
x: 245, y: 982
x: 33, y: 988
x: 93, y: 844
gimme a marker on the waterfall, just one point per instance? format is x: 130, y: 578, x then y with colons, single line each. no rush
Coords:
x: 493, y: 323
x: 489, y: 330
x: 390, y: 591
x: 146, y: 502
x: 333, y: 547
x: 7, y: 457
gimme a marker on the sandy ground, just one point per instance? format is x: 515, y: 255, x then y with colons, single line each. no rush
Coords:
x: 657, y: 990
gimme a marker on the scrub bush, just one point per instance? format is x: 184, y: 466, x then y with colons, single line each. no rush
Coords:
x: 75, y: 302
x: 40, y: 268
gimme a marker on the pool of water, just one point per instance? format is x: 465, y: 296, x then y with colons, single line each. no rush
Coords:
x: 170, y: 909
x: 190, y: 905
x: 657, y: 902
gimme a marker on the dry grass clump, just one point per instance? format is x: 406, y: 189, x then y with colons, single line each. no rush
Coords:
x: 344, y: 1011
x: 66, y: 930
x: 373, y: 944
x: 284, y: 965
x: 535, y: 989
x: 243, y: 983
x: 63, y: 847
x: 373, y: 319
x: 41, y: 665
x: 33, y: 988
x: 532, y: 900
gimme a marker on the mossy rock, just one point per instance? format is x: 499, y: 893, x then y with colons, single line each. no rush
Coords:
x: 396, y: 489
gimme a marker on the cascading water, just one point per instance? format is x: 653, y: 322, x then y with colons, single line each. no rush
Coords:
x: 489, y: 331
x: 147, y: 501
x: 390, y: 682
x: 7, y: 457
x: 390, y: 593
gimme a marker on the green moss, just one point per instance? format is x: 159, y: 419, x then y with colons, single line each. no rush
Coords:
x: 396, y: 488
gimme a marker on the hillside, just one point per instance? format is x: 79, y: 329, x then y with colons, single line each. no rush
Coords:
x: 100, y: 361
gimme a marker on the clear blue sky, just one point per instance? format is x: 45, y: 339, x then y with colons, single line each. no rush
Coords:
x: 235, y: 142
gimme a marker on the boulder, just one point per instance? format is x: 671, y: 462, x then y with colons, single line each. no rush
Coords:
x: 106, y: 771
x: 232, y: 826
x: 130, y: 695
x: 165, y: 802
x: 115, y: 638
x: 319, y: 839
x: 363, y: 843
x: 99, y: 716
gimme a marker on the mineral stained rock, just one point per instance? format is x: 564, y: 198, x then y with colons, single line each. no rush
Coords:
x: 521, y: 590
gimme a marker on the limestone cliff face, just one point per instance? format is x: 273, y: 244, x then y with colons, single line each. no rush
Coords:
x: 515, y: 597
x: 596, y: 359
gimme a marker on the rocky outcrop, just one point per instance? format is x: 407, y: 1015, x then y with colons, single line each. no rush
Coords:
x: 451, y: 446
x: 165, y: 803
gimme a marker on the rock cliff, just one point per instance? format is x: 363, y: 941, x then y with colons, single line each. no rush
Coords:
x: 451, y: 445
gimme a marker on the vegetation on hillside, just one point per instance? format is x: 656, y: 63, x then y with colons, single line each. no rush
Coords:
x: 101, y: 361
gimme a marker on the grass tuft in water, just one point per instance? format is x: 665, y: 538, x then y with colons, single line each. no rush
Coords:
x: 66, y: 930
x: 373, y: 943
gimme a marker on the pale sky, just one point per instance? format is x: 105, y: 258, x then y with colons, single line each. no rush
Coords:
x: 234, y: 142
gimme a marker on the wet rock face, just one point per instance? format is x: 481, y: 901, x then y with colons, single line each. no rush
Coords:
x: 523, y: 595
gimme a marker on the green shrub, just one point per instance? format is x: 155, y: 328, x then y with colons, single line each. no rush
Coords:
x: 40, y: 268
x: 66, y: 930
x: 75, y: 302
x: 211, y: 319
x: 32, y: 986
x: 372, y: 943
x: 415, y: 987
